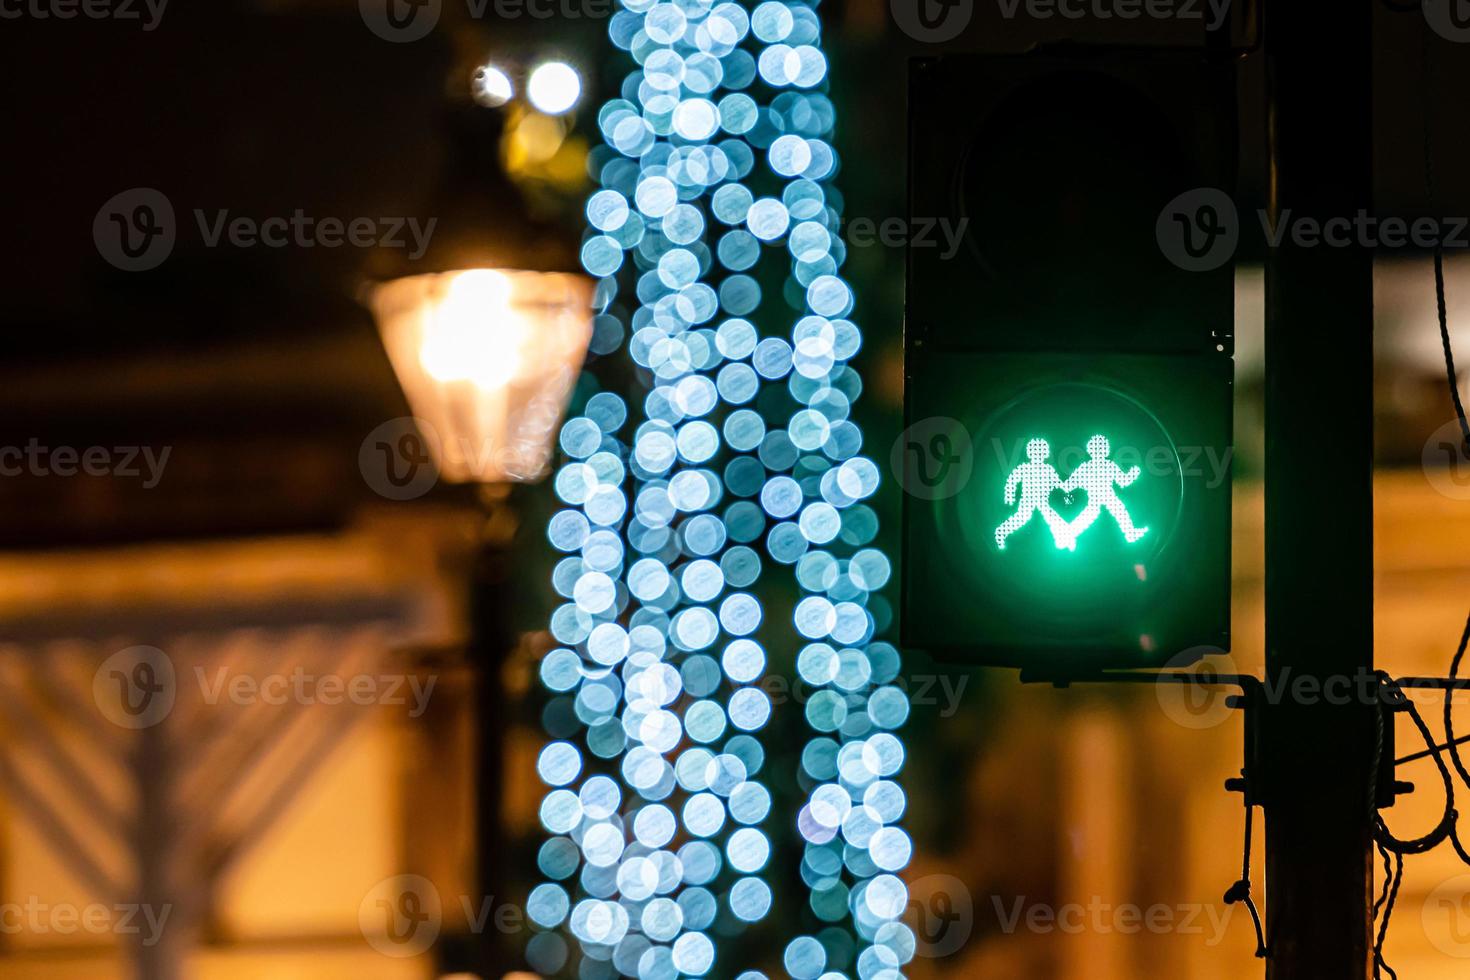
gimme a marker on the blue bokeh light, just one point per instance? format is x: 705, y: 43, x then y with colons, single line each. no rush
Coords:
x: 715, y: 239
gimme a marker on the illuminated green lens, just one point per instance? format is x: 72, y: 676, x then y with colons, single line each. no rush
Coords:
x: 1090, y: 492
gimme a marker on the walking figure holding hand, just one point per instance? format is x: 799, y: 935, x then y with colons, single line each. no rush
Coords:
x: 1098, y: 477
x: 1036, y: 480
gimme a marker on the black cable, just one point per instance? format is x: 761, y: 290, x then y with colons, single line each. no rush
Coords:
x: 1384, y: 838
x: 1449, y: 702
x: 1391, y: 885
x: 1387, y: 877
x: 1446, y: 826
x: 1241, y: 890
x: 1427, y: 51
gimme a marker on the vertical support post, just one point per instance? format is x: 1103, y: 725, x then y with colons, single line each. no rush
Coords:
x: 1319, y: 496
x: 155, y: 849
x: 492, y: 637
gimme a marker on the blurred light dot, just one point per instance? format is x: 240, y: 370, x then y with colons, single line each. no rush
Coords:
x: 781, y: 496
x: 767, y: 219
x: 559, y: 763
x: 886, y: 897
x: 547, y: 905
x: 804, y: 958
x: 661, y: 919
x: 554, y: 87
x: 748, y: 850
x: 704, y: 814
x: 750, y: 802
x: 743, y: 660
x: 694, y: 954
x: 750, y: 900
x: 890, y: 848
x: 749, y: 709
x: 491, y: 86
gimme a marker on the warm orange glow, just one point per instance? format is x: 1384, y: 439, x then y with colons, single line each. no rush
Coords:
x: 487, y: 359
x: 474, y: 333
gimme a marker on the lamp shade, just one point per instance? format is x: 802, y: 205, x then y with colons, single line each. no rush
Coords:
x: 487, y: 359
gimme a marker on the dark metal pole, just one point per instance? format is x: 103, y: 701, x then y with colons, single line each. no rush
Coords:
x: 492, y: 637
x: 1319, y: 495
x: 155, y: 841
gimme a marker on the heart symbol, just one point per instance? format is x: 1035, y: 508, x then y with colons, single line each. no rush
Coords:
x: 1068, y: 505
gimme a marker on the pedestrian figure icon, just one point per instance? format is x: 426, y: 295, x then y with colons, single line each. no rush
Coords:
x: 1036, y: 480
x: 1099, y: 478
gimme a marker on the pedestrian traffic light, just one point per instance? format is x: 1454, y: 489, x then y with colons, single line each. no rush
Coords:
x: 1066, y: 456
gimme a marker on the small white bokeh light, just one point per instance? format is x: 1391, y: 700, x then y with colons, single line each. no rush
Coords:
x: 554, y: 87
x: 491, y: 86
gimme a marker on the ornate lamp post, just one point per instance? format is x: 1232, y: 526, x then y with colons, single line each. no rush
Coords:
x: 486, y: 333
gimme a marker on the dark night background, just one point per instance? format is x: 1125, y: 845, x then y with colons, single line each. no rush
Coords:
x: 263, y: 372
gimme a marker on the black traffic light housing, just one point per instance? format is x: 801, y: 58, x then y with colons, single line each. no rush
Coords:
x: 1069, y: 312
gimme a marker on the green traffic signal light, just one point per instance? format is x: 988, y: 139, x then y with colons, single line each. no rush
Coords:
x: 1076, y: 511
x: 1096, y: 479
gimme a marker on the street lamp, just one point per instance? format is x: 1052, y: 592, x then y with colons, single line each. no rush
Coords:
x: 487, y: 328
x: 487, y: 358
x: 486, y: 332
